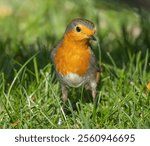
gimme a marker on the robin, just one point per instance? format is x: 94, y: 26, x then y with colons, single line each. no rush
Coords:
x: 73, y: 58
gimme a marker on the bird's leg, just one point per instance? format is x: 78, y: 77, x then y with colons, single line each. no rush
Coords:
x: 94, y: 94
x: 97, y: 76
x: 93, y: 85
x: 64, y: 94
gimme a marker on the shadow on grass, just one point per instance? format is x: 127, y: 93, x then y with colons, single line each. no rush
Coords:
x: 14, y: 54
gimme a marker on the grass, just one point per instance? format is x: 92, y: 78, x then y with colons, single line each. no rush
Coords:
x: 29, y: 91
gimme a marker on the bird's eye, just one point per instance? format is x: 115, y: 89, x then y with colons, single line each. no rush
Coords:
x: 78, y: 29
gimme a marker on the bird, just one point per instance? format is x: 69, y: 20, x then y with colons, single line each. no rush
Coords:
x: 74, y: 60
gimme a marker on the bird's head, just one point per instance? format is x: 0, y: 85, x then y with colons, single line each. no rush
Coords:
x: 80, y: 30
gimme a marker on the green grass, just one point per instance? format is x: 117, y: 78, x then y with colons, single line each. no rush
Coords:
x: 29, y: 91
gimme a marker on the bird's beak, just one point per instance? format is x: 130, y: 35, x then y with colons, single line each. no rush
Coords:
x: 92, y: 37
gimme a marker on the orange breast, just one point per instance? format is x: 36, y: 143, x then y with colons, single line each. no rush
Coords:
x: 72, y: 58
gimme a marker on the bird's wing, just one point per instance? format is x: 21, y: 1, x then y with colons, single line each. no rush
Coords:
x: 52, y: 54
x: 94, y: 60
x: 53, y: 51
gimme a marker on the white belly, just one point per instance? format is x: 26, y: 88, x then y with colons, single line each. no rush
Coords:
x: 74, y: 80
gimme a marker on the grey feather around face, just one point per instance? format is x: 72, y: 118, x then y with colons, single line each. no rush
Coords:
x: 77, y: 21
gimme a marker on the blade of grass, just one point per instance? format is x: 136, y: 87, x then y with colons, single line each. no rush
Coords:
x: 14, y: 80
x: 71, y: 109
x: 18, y: 73
x: 112, y: 60
x: 146, y: 63
x: 36, y: 69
